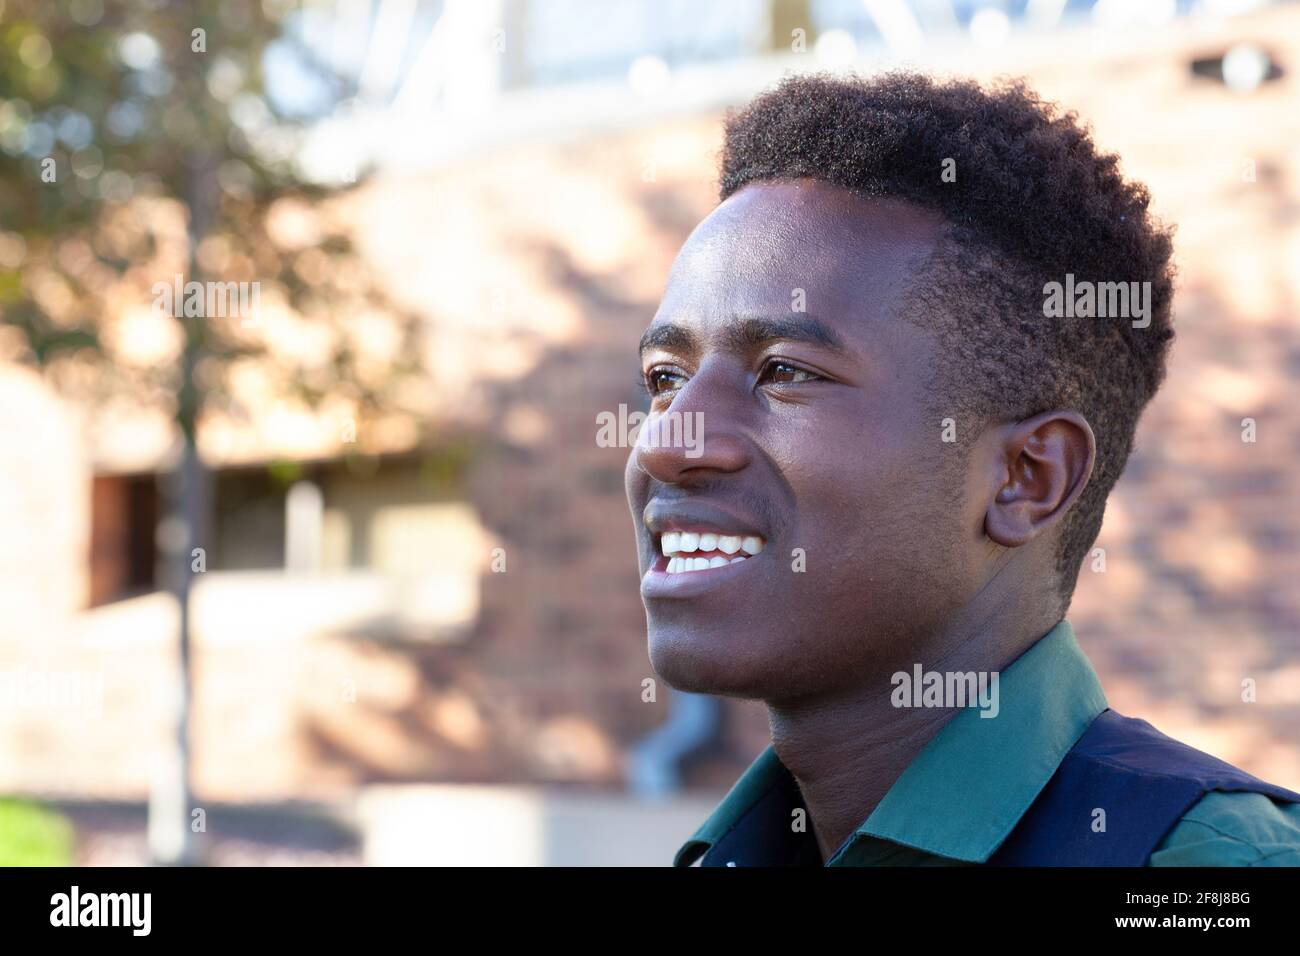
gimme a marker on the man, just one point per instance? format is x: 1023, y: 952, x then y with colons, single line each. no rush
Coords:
x: 918, y: 332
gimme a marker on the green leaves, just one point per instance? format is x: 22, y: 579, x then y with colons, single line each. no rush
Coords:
x: 138, y: 141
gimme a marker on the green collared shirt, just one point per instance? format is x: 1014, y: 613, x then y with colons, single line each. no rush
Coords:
x: 968, y: 788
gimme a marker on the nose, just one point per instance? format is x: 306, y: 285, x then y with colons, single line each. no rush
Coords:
x: 700, y: 434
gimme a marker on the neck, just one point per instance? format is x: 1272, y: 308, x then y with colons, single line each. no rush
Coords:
x: 847, y: 748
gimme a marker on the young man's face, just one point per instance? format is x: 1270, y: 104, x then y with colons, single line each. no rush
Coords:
x: 781, y: 325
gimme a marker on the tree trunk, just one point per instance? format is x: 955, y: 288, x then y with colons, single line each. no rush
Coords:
x: 172, y: 836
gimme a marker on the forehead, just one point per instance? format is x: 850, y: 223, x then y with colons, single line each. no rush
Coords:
x: 839, y: 255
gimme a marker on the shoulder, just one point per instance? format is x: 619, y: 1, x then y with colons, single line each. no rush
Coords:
x: 1194, y: 808
x: 1233, y: 829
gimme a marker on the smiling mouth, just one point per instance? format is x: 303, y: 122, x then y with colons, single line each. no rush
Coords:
x: 690, y: 551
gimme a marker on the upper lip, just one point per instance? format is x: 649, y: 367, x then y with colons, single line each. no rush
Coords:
x: 689, y: 515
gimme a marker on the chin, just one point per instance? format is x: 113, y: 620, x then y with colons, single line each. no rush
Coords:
x: 702, y: 663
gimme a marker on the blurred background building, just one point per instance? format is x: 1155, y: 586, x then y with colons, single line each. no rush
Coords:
x: 416, y: 634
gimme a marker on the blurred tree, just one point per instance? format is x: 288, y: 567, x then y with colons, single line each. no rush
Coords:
x: 139, y: 142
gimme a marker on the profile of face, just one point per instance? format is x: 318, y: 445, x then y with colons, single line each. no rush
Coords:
x: 816, y: 535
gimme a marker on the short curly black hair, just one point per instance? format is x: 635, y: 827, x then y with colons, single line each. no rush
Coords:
x: 1027, y: 199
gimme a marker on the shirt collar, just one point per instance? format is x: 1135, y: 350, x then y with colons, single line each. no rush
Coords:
x: 970, y: 785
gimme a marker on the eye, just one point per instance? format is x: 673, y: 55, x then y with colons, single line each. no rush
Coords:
x: 779, y: 372
x: 661, y: 379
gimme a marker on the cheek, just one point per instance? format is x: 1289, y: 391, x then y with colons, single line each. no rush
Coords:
x: 852, y: 483
x: 875, y: 515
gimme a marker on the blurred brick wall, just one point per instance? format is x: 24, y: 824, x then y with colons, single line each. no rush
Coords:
x: 44, y: 508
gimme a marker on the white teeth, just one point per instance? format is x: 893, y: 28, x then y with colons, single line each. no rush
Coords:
x: 679, y: 548
x: 679, y: 565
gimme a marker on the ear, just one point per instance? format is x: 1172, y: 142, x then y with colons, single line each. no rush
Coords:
x: 1043, y: 463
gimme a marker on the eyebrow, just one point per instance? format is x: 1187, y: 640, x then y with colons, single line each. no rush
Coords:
x: 747, y: 334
